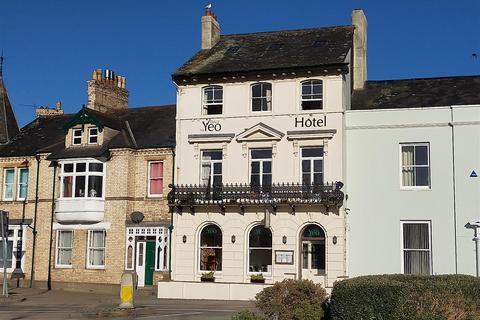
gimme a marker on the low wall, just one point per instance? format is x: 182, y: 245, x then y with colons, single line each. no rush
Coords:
x: 209, y: 291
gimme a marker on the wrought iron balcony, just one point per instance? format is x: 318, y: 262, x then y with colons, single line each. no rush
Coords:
x: 328, y: 195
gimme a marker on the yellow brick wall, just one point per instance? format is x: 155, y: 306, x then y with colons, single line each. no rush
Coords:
x: 125, y: 192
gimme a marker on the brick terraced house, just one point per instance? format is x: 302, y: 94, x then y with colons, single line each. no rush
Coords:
x: 95, y: 183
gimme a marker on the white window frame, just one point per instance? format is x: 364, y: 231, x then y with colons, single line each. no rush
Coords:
x: 199, y: 248
x: 5, y: 184
x: 15, y: 238
x: 322, y: 99
x: 247, y: 240
x: 155, y: 195
x: 312, y: 159
x: 205, y: 104
x: 414, y: 144
x: 89, y: 265
x: 74, y: 136
x: 58, y: 248
x: 427, y: 222
x: 212, y: 163
x: 261, y: 160
x: 90, y: 135
x: 261, y: 97
x: 19, y: 184
x: 87, y: 173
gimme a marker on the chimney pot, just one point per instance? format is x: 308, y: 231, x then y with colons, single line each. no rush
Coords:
x: 109, y: 93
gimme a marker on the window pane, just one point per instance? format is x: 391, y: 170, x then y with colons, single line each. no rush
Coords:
x: 267, y: 181
x: 156, y: 169
x: 318, y: 178
x: 260, y: 260
x: 65, y: 239
x: 417, y: 262
x: 260, y: 237
x: 67, y: 186
x: 206, y: 168
x: 80, y: 186
x: 81, y: 167
x: 9, y: 175
x: 407, y: 176
x: 68, y: 167
x: 317, y: 165
x: 305, y: 256
x: 217, y: 168
x: 212, y: 155
x: 407, y: 155
x: 312, y: 152
x: 261, y: 153
x: 306, y: 89
x: 214, y: 109
x: 255, y: 180
x: 421, y: 176
x: 266, y: 89
x: 95, y: 167
x: 95, y: 186
x: 211, y: 236
x: 311, y: 105
x: 97, y: 239
x: 256, y: 104
x: 255, y: 167
x: 415, y: 236
x: 256, y: 91
x: 421, y: 155
x: 318, y: 256
x: 23, y: 176
x: 306, y: 166
x: 156, y: 186
x: 210, y: 259
x: 8, y: 261
x: 267, y: 167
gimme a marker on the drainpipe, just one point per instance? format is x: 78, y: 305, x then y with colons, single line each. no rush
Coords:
x: 34, y: 231
x: 170, y: 228
x: 454, y: 190
x: 49, y: 279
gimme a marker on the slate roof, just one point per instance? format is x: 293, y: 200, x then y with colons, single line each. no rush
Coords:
x: 8, y: 123
x: 151, y: 127
x: 416, y: 93
x: 272, y: 51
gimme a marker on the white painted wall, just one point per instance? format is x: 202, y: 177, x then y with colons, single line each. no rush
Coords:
x: 236, y: 118
x: 377, y: 203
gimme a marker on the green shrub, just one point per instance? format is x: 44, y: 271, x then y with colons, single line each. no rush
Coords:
x: 246, y: 315
x: 402, y: 297
x: 292, y: 300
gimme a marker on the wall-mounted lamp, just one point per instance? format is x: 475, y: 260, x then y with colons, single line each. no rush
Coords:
x: 184, y: 238
x: 284, y: 239
x: 334, y: 239
x: 233, y: 239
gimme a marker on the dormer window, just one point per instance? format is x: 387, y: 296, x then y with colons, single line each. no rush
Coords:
x: 212, y: 100
x: 76, y: 137
x: 93, y: 135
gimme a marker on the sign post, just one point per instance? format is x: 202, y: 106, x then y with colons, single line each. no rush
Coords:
x: 4, y: 234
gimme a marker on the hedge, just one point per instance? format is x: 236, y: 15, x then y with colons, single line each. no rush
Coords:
x: 406, y: 297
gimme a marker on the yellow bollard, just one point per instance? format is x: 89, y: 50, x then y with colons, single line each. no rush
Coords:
x: 127, y: 290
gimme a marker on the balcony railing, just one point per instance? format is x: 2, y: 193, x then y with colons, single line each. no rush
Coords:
x: 329, y: 195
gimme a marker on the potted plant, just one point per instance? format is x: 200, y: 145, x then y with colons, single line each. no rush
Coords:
x: 207, y: 277
x: 257, y: 278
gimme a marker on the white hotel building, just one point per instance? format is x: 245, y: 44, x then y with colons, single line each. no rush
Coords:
x: 279, y: 173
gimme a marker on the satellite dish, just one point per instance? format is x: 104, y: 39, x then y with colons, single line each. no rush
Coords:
x: 137, y: 216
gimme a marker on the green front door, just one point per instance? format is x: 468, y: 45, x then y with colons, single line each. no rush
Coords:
x: 149, y: 263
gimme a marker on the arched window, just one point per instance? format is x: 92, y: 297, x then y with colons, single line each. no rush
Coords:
x: 312, y: 95
x: 211, y: 248
x: 212, y: 100
x: 313, y: 250
x: 260, y: 250
x: 262, y: 97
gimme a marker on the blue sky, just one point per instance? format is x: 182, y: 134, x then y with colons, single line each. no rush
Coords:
x: 52, y: 47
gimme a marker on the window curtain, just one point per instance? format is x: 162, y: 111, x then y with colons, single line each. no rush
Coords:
x: 23, y: 183
x: 156, y: 178
x: 416, y: 244
x: 407, y: 165
x: 9, y: 177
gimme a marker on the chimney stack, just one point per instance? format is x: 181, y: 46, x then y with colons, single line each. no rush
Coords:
x: 107, y: 91
x: 359, y: 21
x: 210, y: 29
x: 43, y: 111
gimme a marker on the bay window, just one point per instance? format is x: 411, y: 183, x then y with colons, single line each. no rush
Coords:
x: 82, y: 179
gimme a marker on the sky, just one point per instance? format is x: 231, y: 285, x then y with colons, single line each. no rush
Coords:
x: 52, y: 47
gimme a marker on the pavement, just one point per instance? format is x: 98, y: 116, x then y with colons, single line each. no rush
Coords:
x: 26, y: 303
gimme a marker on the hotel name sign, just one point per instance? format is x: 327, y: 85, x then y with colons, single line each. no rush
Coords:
x: 210, y: 125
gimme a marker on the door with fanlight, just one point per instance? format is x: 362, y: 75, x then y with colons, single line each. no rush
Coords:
x: 312, y: 253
